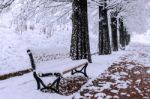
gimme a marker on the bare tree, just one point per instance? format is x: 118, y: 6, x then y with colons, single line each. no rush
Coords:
x: 80, y: 47
x: 104, y: 39
x: 5, y: 3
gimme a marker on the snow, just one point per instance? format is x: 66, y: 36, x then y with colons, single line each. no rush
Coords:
x: 54, y: 37
x: 142, y: 38
x: 24, y: 87
x: 101, y: 63
x: 14, y: 44
x: 140, y: 54
x: 148, y: 71
x: 10, y: 47
x: 13, y: 47
x: 59, y: 66
x: 15, y: 58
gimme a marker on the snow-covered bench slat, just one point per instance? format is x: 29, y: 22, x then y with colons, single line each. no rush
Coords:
x: 62, y: 67
x: 57, y: 69
x: 75, y: 67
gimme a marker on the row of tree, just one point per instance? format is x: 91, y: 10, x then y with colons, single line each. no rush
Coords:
x: 115, y: 17
x: 108, y: 41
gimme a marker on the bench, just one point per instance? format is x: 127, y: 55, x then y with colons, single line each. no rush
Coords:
x: 57, y: 70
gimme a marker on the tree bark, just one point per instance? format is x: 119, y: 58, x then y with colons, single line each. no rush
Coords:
x: 80, y: 46
x: 104, y: 39
x: 114, y: 34
x: 122, y: 34
x: 127, y: 37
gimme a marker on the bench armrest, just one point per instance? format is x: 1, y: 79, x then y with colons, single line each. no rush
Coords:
x: 45, y: 74
x: 49, y: 74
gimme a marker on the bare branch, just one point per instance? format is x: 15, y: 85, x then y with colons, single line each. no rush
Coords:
x: 4, y: 4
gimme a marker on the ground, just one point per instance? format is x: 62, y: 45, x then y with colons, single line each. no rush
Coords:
x: 122, y: 80
x: 122, y: 75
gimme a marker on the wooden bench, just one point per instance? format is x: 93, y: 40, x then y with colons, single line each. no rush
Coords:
x: 49, y: 69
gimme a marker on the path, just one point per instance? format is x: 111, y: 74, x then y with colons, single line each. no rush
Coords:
x: 122, y: 80
x: 128, y: 78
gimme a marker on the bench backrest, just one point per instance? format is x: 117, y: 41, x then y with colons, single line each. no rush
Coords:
x: 46, y: 54
x: 31, y: 59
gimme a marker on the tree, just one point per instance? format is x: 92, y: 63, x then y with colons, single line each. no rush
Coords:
x: 104, y: 39
x: 126, y: 10
x: 5, y: 3
x: 114, y: 32
x: 127, y: 36
x: 122, y: 34
x: 80, y: 47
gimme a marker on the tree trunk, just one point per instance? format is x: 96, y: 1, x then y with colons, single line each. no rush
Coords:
x: 122, y: 35
x: 104, y: 40
x: 114, y: 34
x: 127, y: 37
x: 118, y: 31
x: 80, y: 47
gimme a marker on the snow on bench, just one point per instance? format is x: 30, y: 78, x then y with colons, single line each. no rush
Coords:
x: 46, y: 54
x: 57, y: 69
x: 62, y: 67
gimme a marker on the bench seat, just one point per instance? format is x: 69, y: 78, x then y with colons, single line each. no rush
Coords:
x: 61, y: 67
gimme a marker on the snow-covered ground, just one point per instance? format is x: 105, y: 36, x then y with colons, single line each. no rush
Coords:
x: 24, y: 87
x: 13, y: 49
x: 141, y: 38
x: 13, y: 57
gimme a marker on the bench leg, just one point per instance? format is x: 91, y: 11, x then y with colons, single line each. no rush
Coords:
x: 39, y: 81
x: 83, y: 71
x: 55, y: 85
